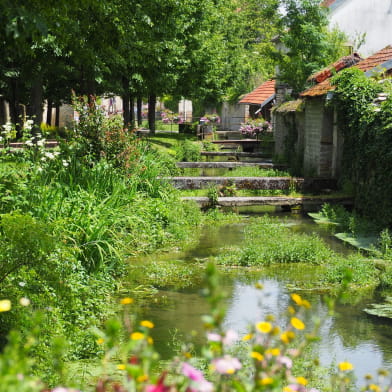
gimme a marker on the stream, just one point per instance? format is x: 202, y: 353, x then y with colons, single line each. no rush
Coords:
x: 347, y: 335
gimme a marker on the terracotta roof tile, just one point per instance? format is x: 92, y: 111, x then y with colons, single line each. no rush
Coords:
x: 365, y: 65
x: 260, y: 94
x: 376, y: 59
x: 327, y: 3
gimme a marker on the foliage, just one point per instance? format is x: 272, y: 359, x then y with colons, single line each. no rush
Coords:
x: 68, y: 221
x: 307, y: 42
x: 188, y: 151
x: 365, y: 123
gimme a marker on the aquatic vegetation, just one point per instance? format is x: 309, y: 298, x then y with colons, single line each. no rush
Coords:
x: 268, y: 357
x: 268, y: 242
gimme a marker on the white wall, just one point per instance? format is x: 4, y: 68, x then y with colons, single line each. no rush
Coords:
x: 233, y: 116
x: 373, y: 17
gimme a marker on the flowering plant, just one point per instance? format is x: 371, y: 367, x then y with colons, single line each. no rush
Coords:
x: 210, y: 118
x: 170, y: 117
x: 262, y: 360
x: 255, y: 127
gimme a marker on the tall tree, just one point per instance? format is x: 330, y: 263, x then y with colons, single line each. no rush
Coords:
x: 308, y: 44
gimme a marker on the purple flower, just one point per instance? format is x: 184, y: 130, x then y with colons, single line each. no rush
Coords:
x: 226, y: 365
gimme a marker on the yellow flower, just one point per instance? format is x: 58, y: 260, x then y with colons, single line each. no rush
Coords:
x: 306, y: 304
x: 287, y: 336
x: 259, y: 286
x: 147, y: 324
x: 297, y: 323
x: 256, y: 355
x: 297, y: 299
x: 121, y: 367
x: 368, y: 376
x: 345, y: 366
x: 247, y: 337
x: 142, y: 378
x: 275, y: 330
x: 273, y: 351
x: 5, y: 305
x: 374, y: 387
x: 126, y: 301
x: 230, y: 371
x: 291, y: 310
x: 150, y: 340
x: 383, y: 372
x: 288, y: 389
x: 302, y: 380
x: 266, y: 381
x: 137, y: 336
x: 188, y: 355
x: 100, y: 341
x: 264, y: 327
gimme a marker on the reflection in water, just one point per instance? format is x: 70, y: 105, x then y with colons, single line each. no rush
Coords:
x: 349, y: 334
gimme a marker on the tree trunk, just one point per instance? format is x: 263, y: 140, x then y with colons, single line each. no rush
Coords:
x: 34, y: 109
x: 139, y: 105
x: 152, y: 101
x: 57, y: 119
x: 3, y: 111
x: 132, y: 111
x: 125, y: 98
x: 49, y: 108
x: 14, y: 106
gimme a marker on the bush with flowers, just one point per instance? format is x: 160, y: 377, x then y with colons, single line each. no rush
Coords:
x: 210, y: 118
x: 255, y: 127
x: 169, y: 117
x: 264, y: 359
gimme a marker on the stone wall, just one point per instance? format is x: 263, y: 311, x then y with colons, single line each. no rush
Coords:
x: 322, y: 143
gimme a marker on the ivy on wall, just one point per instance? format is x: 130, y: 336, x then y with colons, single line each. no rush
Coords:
x: 364, y: 107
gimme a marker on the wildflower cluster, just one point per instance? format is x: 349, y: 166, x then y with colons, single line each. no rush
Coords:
x: 255, y: 127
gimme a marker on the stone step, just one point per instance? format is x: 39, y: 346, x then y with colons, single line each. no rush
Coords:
x: 237, y: 154
x: 267, y: 164
x: 281, y: 183
x: 307, y: 202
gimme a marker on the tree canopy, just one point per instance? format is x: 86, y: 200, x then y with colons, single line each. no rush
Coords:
x: 205, y: 50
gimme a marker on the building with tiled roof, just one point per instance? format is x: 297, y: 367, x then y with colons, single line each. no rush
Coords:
x: 380, y: 59
x: 318, y: 142
x: 260, y: 100
x: 261, y: 95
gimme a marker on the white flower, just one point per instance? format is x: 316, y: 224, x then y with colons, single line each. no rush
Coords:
x: 7, y: 127
x: 49, y: 155
x: 24, y: 301
x: 56, y: 153
x: 40, y: 168
x: 22, y: 284
x: 65, y: 163
x: 29, y: 143
x: 41, y: 143
x: 28, y: 125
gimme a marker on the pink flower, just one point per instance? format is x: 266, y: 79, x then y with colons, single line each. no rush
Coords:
x: 214, y: 337
x: 226, y: 365
x: 230, y: 337
x: 192, y: 373
x: 286, y: 361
